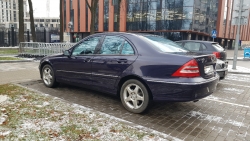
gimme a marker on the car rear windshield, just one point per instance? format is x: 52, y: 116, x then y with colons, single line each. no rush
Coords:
x: 217, y: 47
x: 165, y: 45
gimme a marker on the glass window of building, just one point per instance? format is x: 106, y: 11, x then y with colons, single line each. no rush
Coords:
x: 106, y: 14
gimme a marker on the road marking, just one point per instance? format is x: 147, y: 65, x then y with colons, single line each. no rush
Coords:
x: 207, y: 98
x: 234, y: 84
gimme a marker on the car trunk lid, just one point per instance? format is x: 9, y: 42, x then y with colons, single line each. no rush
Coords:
x: 206, y: 65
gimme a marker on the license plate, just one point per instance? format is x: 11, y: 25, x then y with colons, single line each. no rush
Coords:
x: 208, y: 69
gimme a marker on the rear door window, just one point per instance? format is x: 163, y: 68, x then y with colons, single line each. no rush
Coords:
x: 112, y: 45
x: 127, y: 49
x: 192, y: 46
x: 218, y: 47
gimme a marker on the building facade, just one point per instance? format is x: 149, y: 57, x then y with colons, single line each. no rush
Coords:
x: 9, y: 13
x: 47, y: 22
x: 174, y: 19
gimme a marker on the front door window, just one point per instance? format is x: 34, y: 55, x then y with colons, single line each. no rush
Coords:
x: 87, y: 47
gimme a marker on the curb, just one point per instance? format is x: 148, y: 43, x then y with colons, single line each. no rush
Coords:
x: 11, y: 55
x: 244, y: 59
x: 16, y: 61
x: 240, y: 73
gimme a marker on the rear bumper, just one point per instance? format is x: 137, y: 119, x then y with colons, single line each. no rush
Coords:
x: 182, y: 91
x: 222, y: 73
x: 222, y: 68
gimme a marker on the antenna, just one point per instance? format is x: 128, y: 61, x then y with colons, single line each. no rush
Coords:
x: 48, y: 7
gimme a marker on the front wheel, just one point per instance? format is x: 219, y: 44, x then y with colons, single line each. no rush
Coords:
x: 134, y: 96
x: 48, y: 76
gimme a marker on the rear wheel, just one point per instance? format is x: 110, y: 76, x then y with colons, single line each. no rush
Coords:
x: 48, y: 76
x: 134, y: 96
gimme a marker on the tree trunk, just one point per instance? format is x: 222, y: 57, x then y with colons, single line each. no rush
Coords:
x: 21, y: 21
x: 33, y: 31
x: 92, y: 8
x: 61, y: 21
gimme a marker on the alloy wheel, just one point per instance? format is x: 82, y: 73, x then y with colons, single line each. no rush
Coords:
x: 133, y: 96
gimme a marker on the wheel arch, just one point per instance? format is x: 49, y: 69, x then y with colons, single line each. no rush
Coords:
x: 42, y: 65
x: 124, y: 79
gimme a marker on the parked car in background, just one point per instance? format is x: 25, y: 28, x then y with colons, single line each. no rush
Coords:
x: 208, y: 47
x: 138, y: 68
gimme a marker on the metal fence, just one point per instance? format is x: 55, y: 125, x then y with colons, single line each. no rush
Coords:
x: 8, y: 38
x: 28, y: 49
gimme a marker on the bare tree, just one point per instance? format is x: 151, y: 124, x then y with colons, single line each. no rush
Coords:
x: 61, y: 21
x: 92, y: 9
x: 21, y: 21
x: 32, y: 21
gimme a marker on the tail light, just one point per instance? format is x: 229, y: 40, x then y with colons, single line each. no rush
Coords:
x: 190, y: 69
x: 217, y: 54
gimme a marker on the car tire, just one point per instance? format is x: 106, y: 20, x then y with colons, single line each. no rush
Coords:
x: 134, y: 96
x: 48, y: 77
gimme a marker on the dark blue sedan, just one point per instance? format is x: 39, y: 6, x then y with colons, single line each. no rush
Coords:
x: 138, y: 68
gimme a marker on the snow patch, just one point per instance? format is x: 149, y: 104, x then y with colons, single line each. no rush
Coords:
x: 3, y: 98
x: 213, y: 97
x: 238, y: 69
x: 5, y: 133
x: 214, y: 118
x: 39, y: 124
x: 235, y: 123
x: 238, y: 78
x: 237, y: 91
x: 2, y: 119
x: 44, y: 104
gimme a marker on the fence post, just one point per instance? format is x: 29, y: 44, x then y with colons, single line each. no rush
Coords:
x: 8, y: 37
x: 44, y: 35
x: 28, y: 35
x: 12, y: 36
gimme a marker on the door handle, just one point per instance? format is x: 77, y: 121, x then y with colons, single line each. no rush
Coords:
x: 87, y: 60
x: 122, y: 60
x: 98, y: 61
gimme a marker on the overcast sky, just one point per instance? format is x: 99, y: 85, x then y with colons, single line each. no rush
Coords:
x: 40, y: 9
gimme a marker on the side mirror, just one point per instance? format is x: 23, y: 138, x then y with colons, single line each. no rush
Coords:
x: 66, y: 53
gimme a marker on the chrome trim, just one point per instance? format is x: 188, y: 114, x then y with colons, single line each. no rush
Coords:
x: 97, y: 74
x: 206, y: 81
x: 74, y: 72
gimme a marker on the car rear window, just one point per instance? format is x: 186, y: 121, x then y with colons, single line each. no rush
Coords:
x: 165, y: 45
x: 217, y: 47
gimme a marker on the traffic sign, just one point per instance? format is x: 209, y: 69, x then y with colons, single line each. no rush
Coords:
x: 214, y: 34
x: 244, y: 10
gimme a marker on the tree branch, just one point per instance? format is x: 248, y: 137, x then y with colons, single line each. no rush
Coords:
x: 88, y: 4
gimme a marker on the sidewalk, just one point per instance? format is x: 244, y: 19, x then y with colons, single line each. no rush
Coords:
x: 240, y: 55
x: 242, y: 64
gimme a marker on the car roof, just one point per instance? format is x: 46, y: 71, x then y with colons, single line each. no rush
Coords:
x: 125, y: 33
x: 198, y: 41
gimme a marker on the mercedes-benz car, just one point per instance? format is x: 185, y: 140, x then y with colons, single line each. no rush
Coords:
x: 138, y: 68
